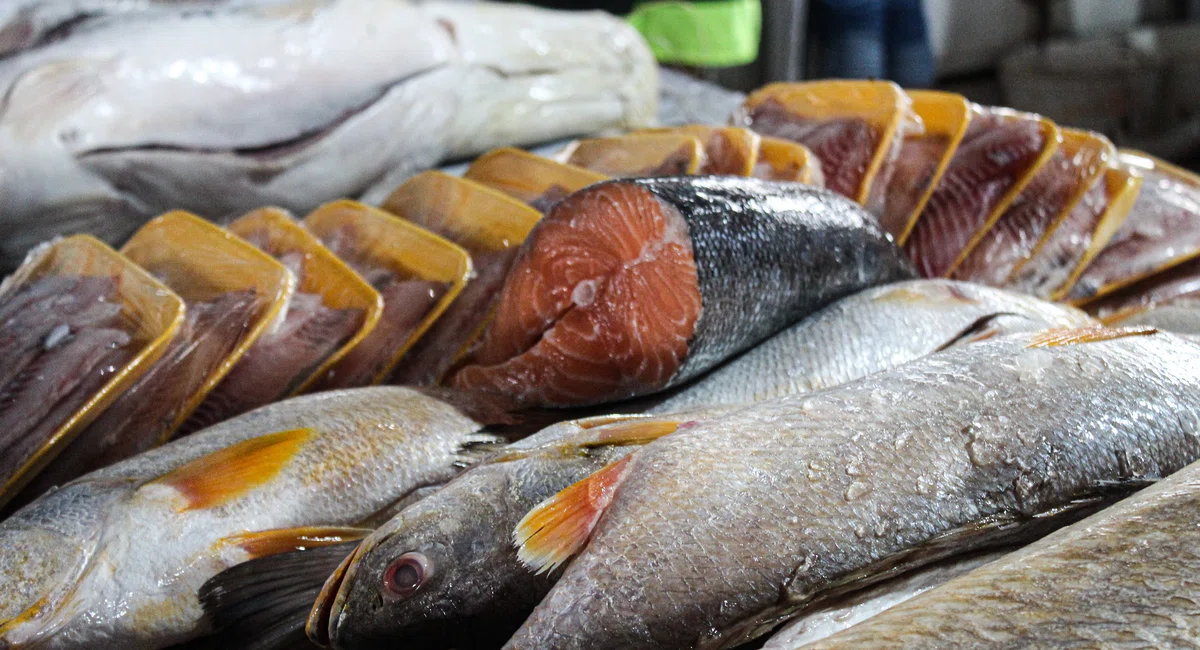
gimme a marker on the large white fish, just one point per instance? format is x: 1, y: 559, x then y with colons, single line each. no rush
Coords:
x: 291, y: 103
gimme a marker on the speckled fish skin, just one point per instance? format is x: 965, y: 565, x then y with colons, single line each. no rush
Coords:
x: 478, y: 593
x: 873, y: 330
x: 834, y: 486
x: 1126, y: 577
x: 116, y: 557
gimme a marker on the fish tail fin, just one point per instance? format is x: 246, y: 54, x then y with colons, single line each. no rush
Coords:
x: 560, y: 526
x: 263, y: 604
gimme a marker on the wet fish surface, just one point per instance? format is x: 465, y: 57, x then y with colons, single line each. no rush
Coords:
x: 1126, y: 576
x: 124, y: 117
x: 115, y: 558
x: 631, y: 286
x: 947, y: 454
x: 873, y: 330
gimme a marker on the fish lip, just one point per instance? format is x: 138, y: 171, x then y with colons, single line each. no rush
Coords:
x: 323, y: 619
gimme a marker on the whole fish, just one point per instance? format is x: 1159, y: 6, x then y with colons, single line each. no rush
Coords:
x: 115, y: 558
x: 873, y: 330
x: 464, y: 528
x: 713, y: 535
x: 631, y: 286
x: 1124, y: 577
x: 291, y: 104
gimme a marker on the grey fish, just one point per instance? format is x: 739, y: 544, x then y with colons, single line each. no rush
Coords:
x: 291, y: 104
x: 115, y: 558
x: 713, y: 535
x: 1125, y: 577
x: 873, y: 330
x: 830, y: 619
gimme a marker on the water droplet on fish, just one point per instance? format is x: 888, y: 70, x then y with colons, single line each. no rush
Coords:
x: 584, y: 293
x: 900, y: 441
x: 793, y: 520
x: 853, y: 470
x: 856, y: 490
x: 925, y: 485
x: 816, y: 466
x: 860, y: 531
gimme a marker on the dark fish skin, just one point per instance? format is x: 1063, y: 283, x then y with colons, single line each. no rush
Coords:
x: 810, y: 246
x: 1128, y: 576
x: 944, y: 455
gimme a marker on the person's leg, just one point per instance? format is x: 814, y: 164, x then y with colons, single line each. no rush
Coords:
x: 850, y: 33
x: 909, y: 53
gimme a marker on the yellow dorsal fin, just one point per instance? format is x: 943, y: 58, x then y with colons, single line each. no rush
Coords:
x: 284, y: 540
x: 558, y: 527
x: 636, y: 432
x: 1072, y: 336
x: 224, y: 475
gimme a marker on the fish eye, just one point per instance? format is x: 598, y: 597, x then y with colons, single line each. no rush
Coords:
x: 405, y: 575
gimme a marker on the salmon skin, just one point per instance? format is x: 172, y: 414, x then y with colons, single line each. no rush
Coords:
x: 995, y: 153
x: 61, y: 340
x: 976, y: 446
x: 144, y: 414
x: 630, y: 286
x: 1124, y: 577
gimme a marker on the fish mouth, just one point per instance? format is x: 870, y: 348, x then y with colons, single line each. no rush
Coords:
x: 326, y: 612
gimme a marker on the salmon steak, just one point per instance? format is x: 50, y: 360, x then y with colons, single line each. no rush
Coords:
x: 630, y: 286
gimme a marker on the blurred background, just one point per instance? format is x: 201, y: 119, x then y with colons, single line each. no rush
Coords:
x: 1127, y: 68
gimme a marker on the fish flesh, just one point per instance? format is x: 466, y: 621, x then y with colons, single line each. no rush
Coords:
x: 638, y: 154
x: 924, y: 156
x: 997, y: 157
x: 292, y: 104
x: 1070, y: 246
x: 147, y: 412
x: 784, y: 160
x: 860, y: 606
x: 630, y: 286
x: 537, y: 181
x: 61, y: 340
x: 279, y: 361
x: 873, y: 330
x: 1124, y: 577
x: 489, y: 226
x: 1178, y: 283
x: 1159, y: 232
x: 970, y: 447
x: 1055, y: 190
x: 115, y: 558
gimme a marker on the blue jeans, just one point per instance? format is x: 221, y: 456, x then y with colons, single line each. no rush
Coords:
x: 874, y: 39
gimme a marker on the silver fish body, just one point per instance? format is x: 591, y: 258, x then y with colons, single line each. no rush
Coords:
x: 291, y: 104
x: 717, y: 533
x: 1128, y: 576
x: 1181, y: 318
x: 873, y: 330
x: 115, y: 558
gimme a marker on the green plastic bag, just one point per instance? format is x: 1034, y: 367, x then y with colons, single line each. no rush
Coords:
x: 710, y: 34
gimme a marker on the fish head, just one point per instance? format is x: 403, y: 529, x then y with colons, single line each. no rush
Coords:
x: 435, y: 576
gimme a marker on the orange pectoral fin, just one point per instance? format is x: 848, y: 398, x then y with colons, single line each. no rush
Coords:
x: 560, y: 526
x: 226, y: 474
x: 635, y: 432
x: 1074, y: 336
x: 284, y: 540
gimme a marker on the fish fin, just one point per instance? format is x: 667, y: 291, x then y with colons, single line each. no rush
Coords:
x: 1074, y: 336
x: 284, y: 540
x: 264, y: 603
x: 228, y: 473
x: 982, y: 329
x: 560, y: 526
x: 634, y: 432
